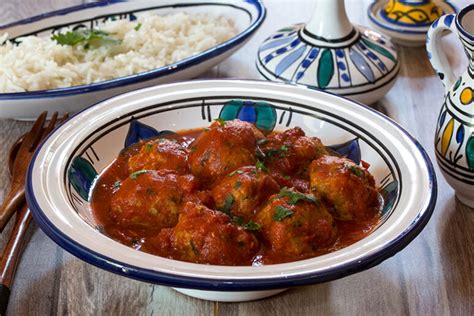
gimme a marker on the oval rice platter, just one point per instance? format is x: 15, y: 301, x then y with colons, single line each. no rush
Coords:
x: 246, y: 17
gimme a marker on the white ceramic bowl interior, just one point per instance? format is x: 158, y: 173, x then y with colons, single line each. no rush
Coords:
x: 59, y: 177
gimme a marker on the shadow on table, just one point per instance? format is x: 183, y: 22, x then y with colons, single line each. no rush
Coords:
x: 457, y: 258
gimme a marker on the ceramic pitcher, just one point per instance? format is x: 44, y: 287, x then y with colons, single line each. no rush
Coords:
x: 454, y: 138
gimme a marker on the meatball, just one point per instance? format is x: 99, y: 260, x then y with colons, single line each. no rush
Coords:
x: 349, y: 187
x: 158, y: 154
x: 241, y: 191
x: 150, y: 199
x: 224, y: 147
x: 295, y: 225
x: 203, y: 235
x: 290, y: 153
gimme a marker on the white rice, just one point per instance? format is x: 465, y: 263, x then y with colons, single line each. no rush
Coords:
x: 39, y: 63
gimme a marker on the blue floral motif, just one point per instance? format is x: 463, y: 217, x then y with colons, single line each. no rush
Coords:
x: 286, y: 62
x: 262, y: 114
x: 139, y: 131
x: 276, y: 43
x: 350, y: 150
x: 81, y: 175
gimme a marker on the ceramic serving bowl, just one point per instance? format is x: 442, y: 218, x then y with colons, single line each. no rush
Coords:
x: 407, y: 22
x: 64, y: 167
x: 247, y: 15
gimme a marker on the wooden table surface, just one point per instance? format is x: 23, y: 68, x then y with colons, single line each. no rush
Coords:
x: 434, y: 275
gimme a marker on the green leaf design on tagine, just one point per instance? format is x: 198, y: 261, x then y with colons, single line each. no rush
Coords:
x: 379, y: 49
x: 470, y: 152
x: 325, y: 68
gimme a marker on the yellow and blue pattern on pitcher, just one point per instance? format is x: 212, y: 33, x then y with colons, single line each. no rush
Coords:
x: 454, y: 136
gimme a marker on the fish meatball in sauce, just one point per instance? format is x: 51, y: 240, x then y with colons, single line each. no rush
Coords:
x: 243, y: 190
x: 222, y: 148
x: 288, y: 154
x: 294, y: 225
x: 349, y: 187
x: 150, y: 199
x: 158, y: 154
x: 207, y: 236
x: 231, y: 195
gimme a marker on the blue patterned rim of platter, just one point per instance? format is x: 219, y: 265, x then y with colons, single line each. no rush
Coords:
x: 375, y: 9
x: 256, y: 21
x: 267, y: 113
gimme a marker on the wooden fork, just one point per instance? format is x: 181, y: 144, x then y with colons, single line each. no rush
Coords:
x: 12, y: 251
x: 16, y: 196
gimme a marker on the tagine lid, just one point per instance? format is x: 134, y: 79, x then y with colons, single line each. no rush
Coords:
x: 330, y: 53
x: 407, y: 21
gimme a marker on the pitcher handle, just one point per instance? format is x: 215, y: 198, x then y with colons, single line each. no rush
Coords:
x: 437, y: 56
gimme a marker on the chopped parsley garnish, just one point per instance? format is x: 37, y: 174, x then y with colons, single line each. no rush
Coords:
x: 88, y: 38
x: 193, y: 149
x: 355, y: 170
x: 284, y: 148
x: 287, y: 177
x: 117, y: 184
x: 251, y: 225
x: 237, y: 184
x: 221, y: 121
x: 281, y: 212
x: 261, y: 166
x: 148, y: 148
x: 205, y: 129
x: 136, y: 28
x: 280, y: 152
x: 135, y: 174
x: 237, y: 220
x: 294, y: 196
x: 229, y: 200
x: 235, y: 172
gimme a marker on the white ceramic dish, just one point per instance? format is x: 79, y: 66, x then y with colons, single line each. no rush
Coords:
x: 247, y: 15
x: 64, y: 167
x: 407, y: 35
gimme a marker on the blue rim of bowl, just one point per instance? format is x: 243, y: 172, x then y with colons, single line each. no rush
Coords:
x: 373, y: 19
x: 459, y: 18
x: 254, y: 284
x: 144, y: 76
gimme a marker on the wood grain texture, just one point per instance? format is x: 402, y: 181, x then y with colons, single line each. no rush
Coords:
x: 433, y: 275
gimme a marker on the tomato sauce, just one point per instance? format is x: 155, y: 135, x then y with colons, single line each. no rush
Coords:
x: 205, y: 198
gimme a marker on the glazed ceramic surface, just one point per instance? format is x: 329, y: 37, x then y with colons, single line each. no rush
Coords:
x: 454, y: 138
x: 246, y: 14
x: 64, y: 168
x: 330, y: 53
x: 405, y: 21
